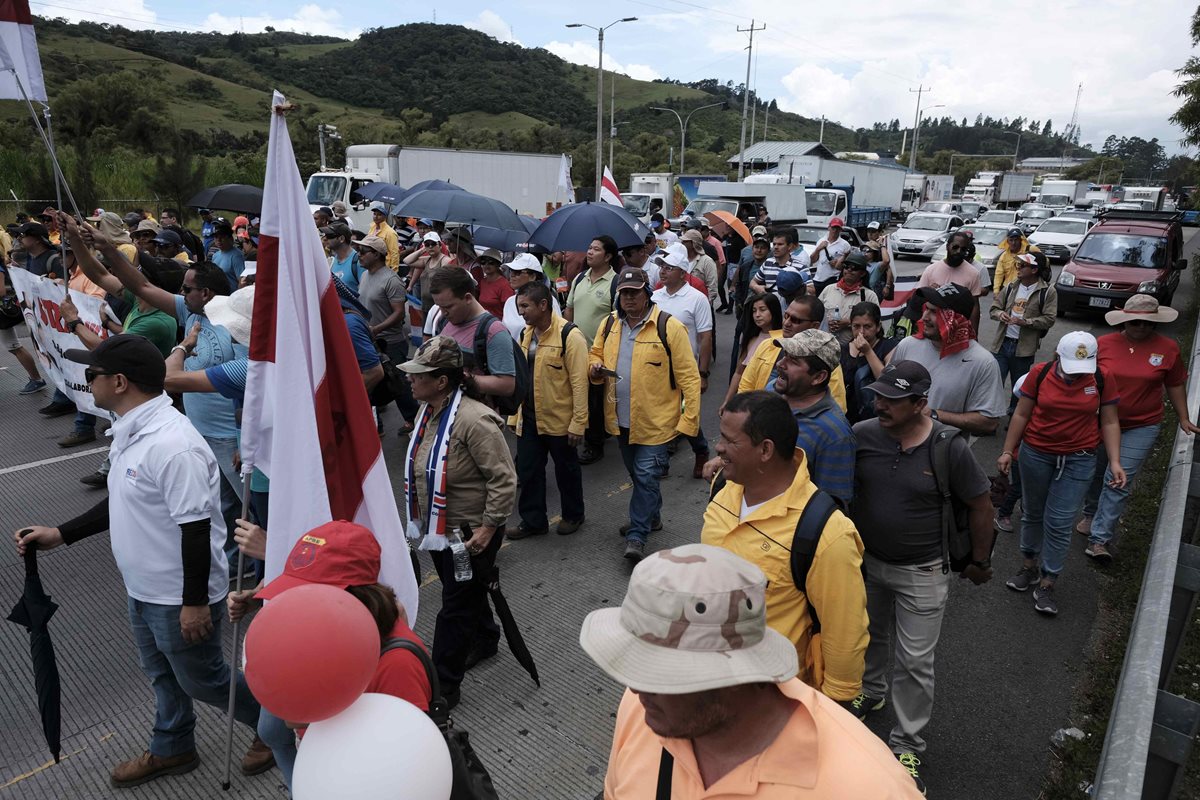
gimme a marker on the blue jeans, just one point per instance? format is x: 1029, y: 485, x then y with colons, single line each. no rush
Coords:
x: 1012, y: 367
x: 1052, y: 491
x: 84, y: 423
x: 398, y: 353
x: 181, y: 672
x: 645, y: 464
x: 282, y: 740
x: 1105, y: 504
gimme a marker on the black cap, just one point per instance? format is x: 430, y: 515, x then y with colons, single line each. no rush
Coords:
x: 337, y: 229
x: 167, y: 236
x: 953, y: 296
x: 36, y: 230
x: 902, y: 379
x: 1017, y: 232
x: 125, y: 354
x: 132, y: 218
x: 857, y: 260
x: 326, y: 210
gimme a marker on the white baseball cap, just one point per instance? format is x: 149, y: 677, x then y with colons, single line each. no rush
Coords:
x: 1077, y: 353
x: 674, y: 255
x: 523, y: 262
x: 431, y: 237
x: 872, y: 226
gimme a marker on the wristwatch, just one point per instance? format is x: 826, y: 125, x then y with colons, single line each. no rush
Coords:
x: 71, y: 325
x: 704, y: 375
x: 984, y: 565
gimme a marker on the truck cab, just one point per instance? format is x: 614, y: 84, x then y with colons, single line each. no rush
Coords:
x: 325, y: 188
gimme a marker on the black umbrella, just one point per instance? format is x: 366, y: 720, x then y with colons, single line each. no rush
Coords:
x: 34, y: 610
x: 229, y: 197
x: 382, y: 191
x: 459, y: 206
x: 516, y: 642
x: 574, y: 227
x: 435, y: 185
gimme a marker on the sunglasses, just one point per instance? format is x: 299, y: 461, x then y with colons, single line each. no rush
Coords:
x: 90, y: 374
x: 1140, y: 323
x: 431, y: 244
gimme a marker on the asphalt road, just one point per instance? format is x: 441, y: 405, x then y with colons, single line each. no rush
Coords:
x: 1005, y: 675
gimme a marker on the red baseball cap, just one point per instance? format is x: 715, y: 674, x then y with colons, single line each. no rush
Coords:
x: 836, y: 222
x: 338, y: 553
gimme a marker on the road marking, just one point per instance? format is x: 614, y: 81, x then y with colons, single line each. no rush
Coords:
x: 55, y: 460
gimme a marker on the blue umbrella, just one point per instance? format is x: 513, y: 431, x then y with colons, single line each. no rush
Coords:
x: 458, y: 205
x: 382, y: 191
x: 508, y: 241
x: 437, y: 186
x: 573, y: 227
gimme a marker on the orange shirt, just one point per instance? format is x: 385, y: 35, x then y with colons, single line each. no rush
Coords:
x: 822, y: 752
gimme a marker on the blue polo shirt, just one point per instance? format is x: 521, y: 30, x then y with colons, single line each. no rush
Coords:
x: 828, y: 443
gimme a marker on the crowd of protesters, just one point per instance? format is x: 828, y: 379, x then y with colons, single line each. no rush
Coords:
x: 823, y: 562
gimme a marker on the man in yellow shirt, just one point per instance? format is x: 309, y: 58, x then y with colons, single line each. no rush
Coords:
x: 756, y: 515
x: 552, y: 420
x: 652, y: 394
x: 380, y: 228
x: 713, y: 707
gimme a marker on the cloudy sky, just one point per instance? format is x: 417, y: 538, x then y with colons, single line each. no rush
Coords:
x: 1012, y: 58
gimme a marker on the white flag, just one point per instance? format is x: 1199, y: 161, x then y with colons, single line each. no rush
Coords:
x: 608, y: 190
x: 19, y: 53
x: 307, y: 422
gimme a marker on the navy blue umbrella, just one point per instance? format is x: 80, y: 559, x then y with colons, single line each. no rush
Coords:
x: 229, y: 197
x: 437, y: 186
x: 573, y: 227
x: 459, y: 205
x: 508, y: 241
x: 382, y: 191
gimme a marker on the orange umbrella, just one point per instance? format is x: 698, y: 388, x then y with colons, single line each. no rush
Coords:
x: 723, y: 222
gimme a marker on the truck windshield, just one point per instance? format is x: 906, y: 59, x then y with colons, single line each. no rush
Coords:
x: 323, y: 190
x: 702, y: 205
x: 636, y: 204
x: 1124, y: 249
x: 1055, y: 200
x: 821, y: 204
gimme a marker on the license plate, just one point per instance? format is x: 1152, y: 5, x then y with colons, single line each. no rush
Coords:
x: 907, y: 249
x: 1100, y: 302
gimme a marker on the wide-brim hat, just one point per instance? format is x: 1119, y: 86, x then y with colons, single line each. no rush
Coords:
x: 233, y: 312
x: 673, y: 633
x: 1144, y: 307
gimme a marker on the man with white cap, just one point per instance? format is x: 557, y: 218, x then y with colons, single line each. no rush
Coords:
x: 380, y: 228
x: 524, y: 268
x: 1056, y: 426
x: 714, y: 708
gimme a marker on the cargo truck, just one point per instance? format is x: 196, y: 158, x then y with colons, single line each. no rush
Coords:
x: 876, y: 184
x: 529, y: 183
x: 999, y: 189
x: 662, y: 192
x: 752, y: 203
x: 919, y: 189
x: 1149, y: 197
x: 1061, y: 195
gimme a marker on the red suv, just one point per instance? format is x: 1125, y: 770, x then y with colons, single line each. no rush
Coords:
x: 1126, y: 253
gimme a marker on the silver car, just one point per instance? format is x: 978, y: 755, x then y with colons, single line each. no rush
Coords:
x: 922, y: 234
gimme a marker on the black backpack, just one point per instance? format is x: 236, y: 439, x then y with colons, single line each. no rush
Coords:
x: 809, y: 527
x: 956, y: 523
x: 660, y: 326
x: 505, y: 404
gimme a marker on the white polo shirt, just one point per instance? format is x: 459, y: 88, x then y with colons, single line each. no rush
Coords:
x: 163, y: 474
x: 836, y: 249
x: 691, y: 307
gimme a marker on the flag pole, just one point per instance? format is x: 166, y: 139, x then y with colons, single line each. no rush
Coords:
x: 62, y: 235
x: 58, y: 173
x: 235, y: 666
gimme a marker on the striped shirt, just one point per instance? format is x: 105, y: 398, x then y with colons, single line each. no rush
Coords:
x: 768, y: 273
x: 828, y: 443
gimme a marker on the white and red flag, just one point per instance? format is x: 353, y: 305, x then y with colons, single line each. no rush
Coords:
x: 608, y: 190
x: 307, y: 422
x: 18, y: 51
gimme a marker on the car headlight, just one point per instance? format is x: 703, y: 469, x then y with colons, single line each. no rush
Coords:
x: 1066, y: 278
x: 1148, y: 287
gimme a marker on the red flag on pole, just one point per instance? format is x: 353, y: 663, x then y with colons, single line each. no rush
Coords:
x: 609, y: 193
x: 18, y: 51
x: 307, y: 422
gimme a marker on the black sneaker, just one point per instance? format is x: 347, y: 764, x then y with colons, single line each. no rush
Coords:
x: 1043, y: 600
x: 912, y: 764
x: 591, y: 455
x: 1021, y: 582
x: 524, y: 532
x: 96, y: 480
x: 864, y: 704
x: 57, y: 409
x: 480, y: 653
x: 635, y: 550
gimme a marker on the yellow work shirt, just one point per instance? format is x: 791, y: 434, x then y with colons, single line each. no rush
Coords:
x: 559, y: 381
x: 385, y: 232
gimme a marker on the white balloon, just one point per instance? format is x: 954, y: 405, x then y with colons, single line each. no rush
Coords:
x: 380, y: 748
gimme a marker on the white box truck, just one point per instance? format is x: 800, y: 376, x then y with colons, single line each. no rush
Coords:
x: 529, y: 183
x: 662, y: 192
x: 750, y: 202
x: 1013, y: 189
x: 1063, y: 194
x: 920, y: 188
x: 1150, y: 197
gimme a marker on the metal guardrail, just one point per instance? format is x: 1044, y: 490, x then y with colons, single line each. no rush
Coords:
x: 1150, y: 730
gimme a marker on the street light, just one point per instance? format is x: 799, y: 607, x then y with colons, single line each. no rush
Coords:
x: 912, y: 157
x: 683, y: 123
x: 600, y: 96
x: 322, y: 132
x: 612, y: 137
x: 1015, y: 149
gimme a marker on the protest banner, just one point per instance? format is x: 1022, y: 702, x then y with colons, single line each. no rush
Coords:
x: 40, y: 298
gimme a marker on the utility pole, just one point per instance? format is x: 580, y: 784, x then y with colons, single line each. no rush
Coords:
x: 612, y: 118
x: 821, y: 136
x: 600, y: 95
x: 912, y: 156
x: 746, y: 96
x: 754, y: 108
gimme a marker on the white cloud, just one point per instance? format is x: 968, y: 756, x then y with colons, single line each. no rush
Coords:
x: 132, y: 14
x: 493, y: 25
x: 309, y: 18
x: 588, y: 55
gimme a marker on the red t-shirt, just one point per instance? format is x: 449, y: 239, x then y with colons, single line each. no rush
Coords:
x: 400, y: 673
x: 695, y: 281
x: 492, y: 294
x: 1142, y: 370
x: 1065, y: 415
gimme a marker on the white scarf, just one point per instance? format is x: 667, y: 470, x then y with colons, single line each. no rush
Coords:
x: 430, y: 528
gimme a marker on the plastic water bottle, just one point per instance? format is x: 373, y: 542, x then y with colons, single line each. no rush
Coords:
x: 835, y: 314
x: 462, y: 559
